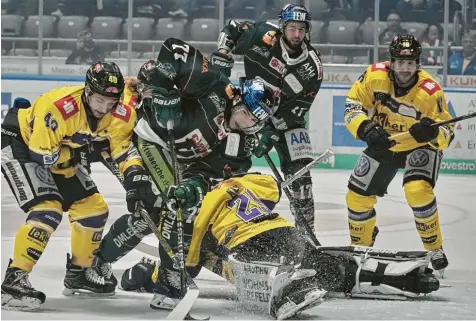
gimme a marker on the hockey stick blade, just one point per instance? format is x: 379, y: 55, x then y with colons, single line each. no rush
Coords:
x: 182, y: 309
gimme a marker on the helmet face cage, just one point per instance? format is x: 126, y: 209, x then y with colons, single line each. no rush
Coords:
x: 292, y: 12
x: 105, y: 79
x: 258, y: 100
x: 405, y: 47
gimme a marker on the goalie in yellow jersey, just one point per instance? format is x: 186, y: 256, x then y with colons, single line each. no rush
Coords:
x: 390, y: 98
x: 238, y: 236
x: 45, y: 151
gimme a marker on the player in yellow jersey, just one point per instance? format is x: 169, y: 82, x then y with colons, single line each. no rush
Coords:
x: 45, y: 149
x: 238, y: 235
x: 390, y: 98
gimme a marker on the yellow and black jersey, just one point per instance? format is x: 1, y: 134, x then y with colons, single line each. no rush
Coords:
x: 57, y: 121
x: 235, y: 211
x: 373, y: 97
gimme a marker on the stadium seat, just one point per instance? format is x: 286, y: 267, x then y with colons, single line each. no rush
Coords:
x: 141, y: 30
x: 316, y: 31
x: 204, y: 29
x: 342, y: 32
x: 11, y: 25
x: 123, y: 54
x: 27, y: 52
x: 336, y: 59
x: 59, y: 53
x: 368, y: 29
x: 106, y: 28
x: 170, y: 28
x: 415, y: 28
x: 150, y: 55
x: 360, y: 60
x: 31, y: 30
x: 68, y: 28
x: 316, y: 8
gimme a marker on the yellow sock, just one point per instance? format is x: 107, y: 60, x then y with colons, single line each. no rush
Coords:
x: 361, y: 217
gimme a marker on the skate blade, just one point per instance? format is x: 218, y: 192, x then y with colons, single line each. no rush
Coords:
x: 26, y: 304
x: 441, y: 273
x: 86, y: 293
x: 311, y: 300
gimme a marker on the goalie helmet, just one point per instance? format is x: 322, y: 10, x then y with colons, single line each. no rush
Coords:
x: 405, y: 47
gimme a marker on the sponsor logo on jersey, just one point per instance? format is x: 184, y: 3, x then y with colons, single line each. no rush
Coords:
x: 317, y: 61
x: 269, y: 37
x: 204, y: 65
x: 67, y: 106
x: 430, y: 86
x: 277, y: 65
x: 383, y: 120
x: 293, y: 83
x: 306, y: 71
x: 122, y: 112
x: 379, y: 66
x: 262, y: 51
x: 219, y: 121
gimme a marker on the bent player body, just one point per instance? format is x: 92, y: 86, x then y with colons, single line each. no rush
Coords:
x: 283, y: 57
x: 402, y: 97
x: 214, y: 127
x: 238, y: 236
x: 44, y: 160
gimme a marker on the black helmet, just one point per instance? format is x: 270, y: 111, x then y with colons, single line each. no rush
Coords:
x: 405, y: 47
x: 293, y: 12
x: 105, y: 78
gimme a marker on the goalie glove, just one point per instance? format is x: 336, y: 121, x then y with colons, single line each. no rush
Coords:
x: 222, y: 61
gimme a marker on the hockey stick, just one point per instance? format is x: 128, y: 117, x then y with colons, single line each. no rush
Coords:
x: 441, y: 123
x: 298, y: 216
x: 189, y: 295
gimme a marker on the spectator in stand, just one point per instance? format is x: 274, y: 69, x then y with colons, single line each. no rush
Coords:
x: 464, y: 62
x: 432, y: 37
x: 87, y: 51
x: 393, y: 29
x: 423, y: 11
x: 262, y: 8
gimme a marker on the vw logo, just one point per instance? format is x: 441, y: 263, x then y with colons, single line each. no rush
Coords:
x: 419, y: 158
x: 362, y: 167
x: 44, y: 175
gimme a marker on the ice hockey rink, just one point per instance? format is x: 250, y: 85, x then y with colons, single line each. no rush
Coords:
x: 456, y: 299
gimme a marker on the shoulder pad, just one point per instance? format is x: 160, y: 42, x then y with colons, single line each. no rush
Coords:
x: 122, y: 112
x: 429, y: 86
x: 380, y: 66
x: 67, y: 106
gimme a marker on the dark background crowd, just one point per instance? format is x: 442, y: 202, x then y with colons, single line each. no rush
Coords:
x: 83, y: 31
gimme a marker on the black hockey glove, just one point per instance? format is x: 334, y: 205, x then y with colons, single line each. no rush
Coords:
x: 79, y: 155
x: 138, y: 186
x: 222, y: 61
x: 423, y: 132
x: 188, y: 194
x: 374, y: 135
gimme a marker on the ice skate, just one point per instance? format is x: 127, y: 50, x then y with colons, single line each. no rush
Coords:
x: 295, y: 299
x: 167, y: 292
x: 17, y: 292
x: 438, y: 260
x: 85, y: 281
x: 103, y: 268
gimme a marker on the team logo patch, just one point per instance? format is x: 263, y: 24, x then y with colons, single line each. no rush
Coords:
x: 430, y: 86
x: 419, y: 158
x: 67, y: 106
x: 122, y: 112
x: 363, y: 166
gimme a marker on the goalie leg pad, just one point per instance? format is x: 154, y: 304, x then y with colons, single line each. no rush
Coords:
x: 387, y: 274
x: 282, y: 290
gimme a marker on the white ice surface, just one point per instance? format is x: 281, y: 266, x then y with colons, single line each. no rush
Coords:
x: 456, y: 197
